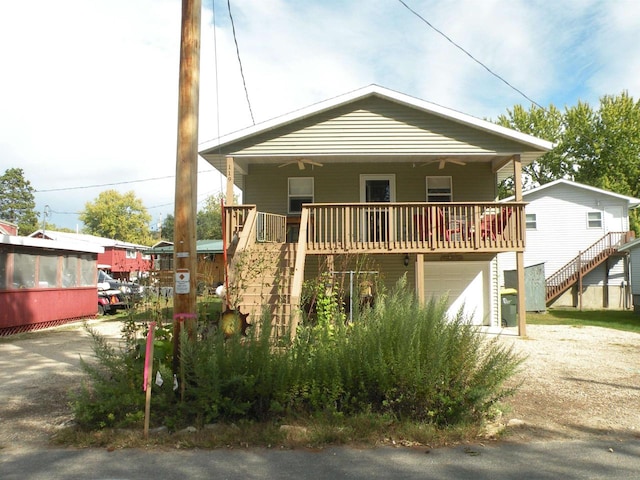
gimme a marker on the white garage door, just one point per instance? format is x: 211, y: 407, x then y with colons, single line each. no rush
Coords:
x: 466, y: 284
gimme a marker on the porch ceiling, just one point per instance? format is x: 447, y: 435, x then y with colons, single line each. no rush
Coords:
x: 501, y: 163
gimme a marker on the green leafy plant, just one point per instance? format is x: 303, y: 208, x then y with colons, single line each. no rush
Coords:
x: 398, y: 360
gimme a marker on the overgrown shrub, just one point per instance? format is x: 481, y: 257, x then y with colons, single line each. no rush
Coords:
x: 398, y: 359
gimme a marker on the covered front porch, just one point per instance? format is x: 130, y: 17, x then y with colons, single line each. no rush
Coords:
x: 423, y: 234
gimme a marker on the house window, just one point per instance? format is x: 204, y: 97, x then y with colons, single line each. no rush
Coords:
x: 439, y: 189
x: 131, y: 253
x: 531, y: 221
x: 594, y: 219
x: 24, y: 270
x: 3, y: 270
x: 69, y: 271
x: 300, y: 191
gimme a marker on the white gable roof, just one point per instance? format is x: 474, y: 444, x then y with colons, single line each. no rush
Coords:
x: 376, y: 90
x: 74, y: 246
x: 632, y: 201
x: 82, y: 237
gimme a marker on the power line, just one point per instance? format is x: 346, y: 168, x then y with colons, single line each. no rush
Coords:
x: 203, y: 197
x: 63, y: 189
x: 244, y: 83
x: 470, y: 56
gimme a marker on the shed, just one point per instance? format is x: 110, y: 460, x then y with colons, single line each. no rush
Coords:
x: 535, y: 286
x: 45, y: 282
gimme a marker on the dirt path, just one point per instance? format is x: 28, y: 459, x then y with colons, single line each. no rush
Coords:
x: 37, y: 372
x: 577, y: 383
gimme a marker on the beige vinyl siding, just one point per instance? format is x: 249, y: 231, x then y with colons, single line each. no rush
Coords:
x: 390, y: 267
x: 266, y: 185
x: 373, y: 126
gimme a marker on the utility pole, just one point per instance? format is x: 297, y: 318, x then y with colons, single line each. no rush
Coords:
x: 184, y: 245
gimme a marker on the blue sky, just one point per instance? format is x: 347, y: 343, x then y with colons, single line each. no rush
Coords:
x: 88, y: 93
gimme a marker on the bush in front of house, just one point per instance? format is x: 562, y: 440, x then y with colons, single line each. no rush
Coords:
x: 398, y: 359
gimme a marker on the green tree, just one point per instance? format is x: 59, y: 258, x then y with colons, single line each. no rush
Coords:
x: 168, y: 226
x: 543, y: 123
x: 17, y: 202
x: 606, y: 143
x: 117, y: 216
x: 209, y: 219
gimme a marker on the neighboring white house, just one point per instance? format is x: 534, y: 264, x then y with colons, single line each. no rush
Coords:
x: 565, y: 219
x: 633, y: 248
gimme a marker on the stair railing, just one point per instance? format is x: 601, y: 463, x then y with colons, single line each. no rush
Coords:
x: 584, y: 262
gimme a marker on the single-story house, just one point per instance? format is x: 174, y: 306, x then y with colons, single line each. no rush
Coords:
x: 8, y: 228
x: 46, y: 282
x: 409, y: 185
x: 210, y: 263
x: 122, y: 260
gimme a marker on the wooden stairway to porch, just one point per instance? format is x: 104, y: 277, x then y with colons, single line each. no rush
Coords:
x: 583, y: 263
x: 261, y: 279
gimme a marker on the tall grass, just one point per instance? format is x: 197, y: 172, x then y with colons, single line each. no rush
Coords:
x: 398, y: 360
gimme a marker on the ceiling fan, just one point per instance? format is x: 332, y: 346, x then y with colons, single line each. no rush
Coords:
x: 443, y: 161
x: 301, y: 163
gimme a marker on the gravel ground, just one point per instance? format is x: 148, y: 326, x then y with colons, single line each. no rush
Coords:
x: 577, y: 383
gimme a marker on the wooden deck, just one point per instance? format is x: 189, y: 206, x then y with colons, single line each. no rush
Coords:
x: 378, y: 228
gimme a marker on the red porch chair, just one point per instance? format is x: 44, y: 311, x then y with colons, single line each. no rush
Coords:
x: 424, y: 224
x: 493, y: 224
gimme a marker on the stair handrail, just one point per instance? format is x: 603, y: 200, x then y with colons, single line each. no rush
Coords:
x: 298, y: 272
x: 610, y: 242
x: 247, y: 235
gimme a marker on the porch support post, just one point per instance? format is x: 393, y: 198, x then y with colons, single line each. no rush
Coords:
x: 230, y: 181
x: 522, y: 307
x: 419, y: 273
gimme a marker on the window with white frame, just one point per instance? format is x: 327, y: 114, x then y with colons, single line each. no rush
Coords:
x: 300, y: 191
x: 131, y: 253
x: 594, y: 219
x: 439, y: 189
x: 531, y: 221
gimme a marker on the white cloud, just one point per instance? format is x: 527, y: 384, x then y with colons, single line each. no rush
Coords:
x: 88, y: 93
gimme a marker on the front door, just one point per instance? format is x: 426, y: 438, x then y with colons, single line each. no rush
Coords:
x: 377, y: 188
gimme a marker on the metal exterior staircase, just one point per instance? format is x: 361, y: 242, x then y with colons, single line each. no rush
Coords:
x: 583, y: 263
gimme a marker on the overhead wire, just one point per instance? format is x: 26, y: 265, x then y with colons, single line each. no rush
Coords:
x: 215, y: 68
x: 244, y: 83
x: 470, y: 55
x: 113, y: 184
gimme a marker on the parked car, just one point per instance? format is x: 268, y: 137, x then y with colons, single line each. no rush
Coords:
x: 132, y: 290
x: 110, y: 300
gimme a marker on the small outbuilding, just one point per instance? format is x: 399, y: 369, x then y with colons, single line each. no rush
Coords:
x: 46, y: 282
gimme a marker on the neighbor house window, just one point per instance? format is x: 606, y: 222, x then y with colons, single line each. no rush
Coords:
x: 594, y: 219
x: 131, y: 253
x: 300, y: 191
x: 530, y: 221
x: 48, y: 271
x: 3, y: 270
x: 439, y: 189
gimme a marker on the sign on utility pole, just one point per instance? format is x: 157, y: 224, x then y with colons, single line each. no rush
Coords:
x: 184, y: 244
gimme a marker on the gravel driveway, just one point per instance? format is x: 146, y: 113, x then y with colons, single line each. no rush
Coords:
x: 577, y: 383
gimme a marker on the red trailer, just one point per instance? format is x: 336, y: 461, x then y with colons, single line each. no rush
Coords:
x: 45, y: 282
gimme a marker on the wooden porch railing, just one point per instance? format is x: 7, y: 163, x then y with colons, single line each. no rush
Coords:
x: 415, y: 227
x: 584, y: 262
x: 271, y: 228
x: 267, y: 227
x: 236, y: 218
